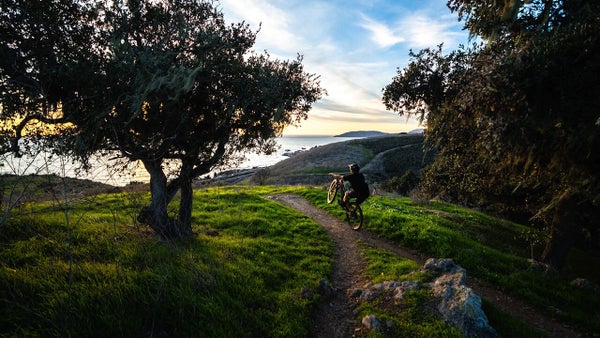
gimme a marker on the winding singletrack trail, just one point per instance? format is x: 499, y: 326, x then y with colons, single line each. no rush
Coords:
x: 335, y: 317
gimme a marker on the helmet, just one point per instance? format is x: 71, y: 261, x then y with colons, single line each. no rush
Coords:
x: 354, y: 167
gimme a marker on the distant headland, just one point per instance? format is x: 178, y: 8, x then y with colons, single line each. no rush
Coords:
x: 375, y: 133
x: 362, y: 133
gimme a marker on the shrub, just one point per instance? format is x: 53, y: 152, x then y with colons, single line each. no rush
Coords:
x: 260, y: 177
x: 419, y: 197
x: 401, y: 185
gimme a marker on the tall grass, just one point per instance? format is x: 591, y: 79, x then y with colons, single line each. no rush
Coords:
x: 493, y: 250
x: 252, y: 269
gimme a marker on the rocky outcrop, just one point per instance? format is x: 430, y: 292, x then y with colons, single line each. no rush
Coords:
x: 457, y: 304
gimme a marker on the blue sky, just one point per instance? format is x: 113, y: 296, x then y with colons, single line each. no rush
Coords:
x: 355, y: 46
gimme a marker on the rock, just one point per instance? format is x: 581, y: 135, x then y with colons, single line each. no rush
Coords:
x: 355, y: 293
x: 401, y: 289
x: 325, y: 289
x: 541, y: 267
x: 378, y: 286
x: 440, y: 265
x: 391, y: 285
x: 457, y: 303
x: 371, y: 322
x: 585, y: 284
x: 368, y: 295
x: 290, y: 153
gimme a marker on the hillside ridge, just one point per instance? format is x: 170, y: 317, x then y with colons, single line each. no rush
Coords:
x: 380, y: 157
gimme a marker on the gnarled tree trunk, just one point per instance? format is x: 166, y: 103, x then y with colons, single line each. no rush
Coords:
x: 155, y: 215
x: 187, y: 195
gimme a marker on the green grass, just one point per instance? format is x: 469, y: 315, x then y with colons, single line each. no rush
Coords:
x: 86, y: 268
x: 99, y: 274
x: 507, y: 325
x: 319, y: 171
x: 376, y: 145
x: 386, y: 266
x: 493, y: 250
x: 411, y: 317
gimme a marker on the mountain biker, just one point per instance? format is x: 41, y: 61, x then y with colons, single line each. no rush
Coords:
x: 360, y: 189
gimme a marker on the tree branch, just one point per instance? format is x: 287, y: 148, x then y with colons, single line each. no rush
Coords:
x: 14, y: 142
x: 201, y: 169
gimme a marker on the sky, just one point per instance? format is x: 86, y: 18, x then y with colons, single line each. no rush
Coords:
x: 355, y: 46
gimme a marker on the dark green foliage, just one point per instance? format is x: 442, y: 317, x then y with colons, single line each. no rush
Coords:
x: 401, y: 185
x: 157, y: 82
x: 508, y: 326
x: 411, y: 158
x: 515, y: 119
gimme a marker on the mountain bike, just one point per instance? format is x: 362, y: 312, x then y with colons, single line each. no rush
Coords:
x: 354, y: 214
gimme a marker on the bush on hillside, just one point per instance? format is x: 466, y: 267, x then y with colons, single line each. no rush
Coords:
x: 401, y: 185
x: 261, y: 176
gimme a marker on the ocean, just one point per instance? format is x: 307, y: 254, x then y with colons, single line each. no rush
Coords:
x: 103, y: 168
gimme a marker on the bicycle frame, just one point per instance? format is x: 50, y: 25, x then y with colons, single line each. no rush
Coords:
x: 354, y: 214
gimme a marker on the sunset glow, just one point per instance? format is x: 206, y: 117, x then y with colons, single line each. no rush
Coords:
x: 355, y: 46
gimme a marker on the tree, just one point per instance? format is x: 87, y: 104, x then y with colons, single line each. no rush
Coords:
x: 178, y: 89
x: 517, y: 118
x: 44, y: 59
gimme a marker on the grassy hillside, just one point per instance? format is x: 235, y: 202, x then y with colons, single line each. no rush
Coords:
x: 85, y: 268
x: 493, y: 250
x: 380, y: 157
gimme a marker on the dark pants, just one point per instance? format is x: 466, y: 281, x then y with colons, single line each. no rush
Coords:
x: 353, y: 194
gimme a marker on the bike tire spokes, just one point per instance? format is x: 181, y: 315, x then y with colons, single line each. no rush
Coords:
x: 332, y: 191
x: 354, y: 216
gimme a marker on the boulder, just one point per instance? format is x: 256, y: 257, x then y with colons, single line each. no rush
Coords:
x: 371, y: 322
x: 457, y: 303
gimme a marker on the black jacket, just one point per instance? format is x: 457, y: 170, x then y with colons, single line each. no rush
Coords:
x: 358, y: 183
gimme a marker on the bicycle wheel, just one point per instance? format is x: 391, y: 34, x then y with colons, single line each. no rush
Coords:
x: 333, y: 188
x: 354, y: 216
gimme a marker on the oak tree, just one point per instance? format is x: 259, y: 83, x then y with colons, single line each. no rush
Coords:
x: 172, y: 85
x: 516, y: 118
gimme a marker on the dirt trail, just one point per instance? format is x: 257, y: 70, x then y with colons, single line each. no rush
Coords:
x: 335, y: 318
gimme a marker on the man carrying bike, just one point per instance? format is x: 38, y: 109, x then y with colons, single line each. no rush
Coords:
x: 360, y: 189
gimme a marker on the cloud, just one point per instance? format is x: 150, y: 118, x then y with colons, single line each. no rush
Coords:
x: 330, y: 118
x: 353, y: 83
x: 416, y: 30
x: 355, y: 47
x: 382, y: 35
x: 275, y: 23
x: 423, y: 31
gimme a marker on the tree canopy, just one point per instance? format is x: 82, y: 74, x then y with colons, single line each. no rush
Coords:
x: 159, y: 82
x: 516, y: 118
